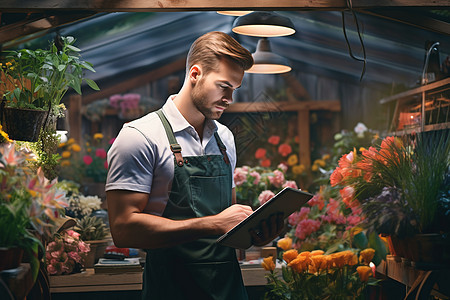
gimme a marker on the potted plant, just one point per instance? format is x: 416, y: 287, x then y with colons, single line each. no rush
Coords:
x: 29, y: 206
x: 35, y: 81
x: 403, y: 189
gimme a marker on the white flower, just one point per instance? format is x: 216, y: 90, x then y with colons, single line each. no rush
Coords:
x: 360, y: 128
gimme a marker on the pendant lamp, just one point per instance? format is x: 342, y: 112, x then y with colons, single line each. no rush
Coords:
x: 236, y: 13
x: 264, y: 24
x: 267, y: 62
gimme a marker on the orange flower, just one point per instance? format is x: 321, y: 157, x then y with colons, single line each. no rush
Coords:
x: 316, y: 252
x: 319, y: 262
x: 367, y: 255
x: 284, y: 150
x: 292, y: 160
x: 285, y: 243
x: 338, y: 259
x: 274, y: 140
x: 268, y: 263
x: 364, y: 272
x: 336, y: 177
x: 260, y: 153
x: 290, y: 255
x: 299, y: 264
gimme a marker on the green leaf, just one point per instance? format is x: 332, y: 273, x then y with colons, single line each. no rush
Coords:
x: 360, y: 240
x: 92, y: 84
x: 61, y: 68
x: 73, y: 48
x: 75, y: 84
x: 380, y: 248
x: 87, y: 65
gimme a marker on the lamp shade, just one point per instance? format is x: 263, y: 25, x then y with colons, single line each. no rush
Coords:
x: 267, y: 62
x: 264, y: 24
x: 236, y: 13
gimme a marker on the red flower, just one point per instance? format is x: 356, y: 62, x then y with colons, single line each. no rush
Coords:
x: 336, y: 177
x: 87, y: 160
x: 100, y: 152
x: 284, y: 150
x: 274, y: 140
x: 260, y: 153
x: 265, y: 163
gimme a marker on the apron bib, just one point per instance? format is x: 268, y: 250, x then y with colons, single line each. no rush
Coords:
x: 200, y: 269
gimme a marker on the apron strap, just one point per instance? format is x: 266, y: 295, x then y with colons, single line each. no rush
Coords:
x: 222, y: 148
x: 174, y: 146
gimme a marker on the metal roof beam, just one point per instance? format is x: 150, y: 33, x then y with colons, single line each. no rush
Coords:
x: 172, y: 5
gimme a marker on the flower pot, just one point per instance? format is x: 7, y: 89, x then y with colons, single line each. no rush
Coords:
x: 98, y: 248
x: 23, y: 124
x: 428, y: 248
x: 10, y: 258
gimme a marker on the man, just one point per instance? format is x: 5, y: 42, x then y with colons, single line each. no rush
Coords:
x: 170, y: 184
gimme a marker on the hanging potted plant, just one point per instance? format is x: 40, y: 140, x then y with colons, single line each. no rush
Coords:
x: 33, y: 82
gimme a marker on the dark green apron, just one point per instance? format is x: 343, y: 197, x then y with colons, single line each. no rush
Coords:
x: 200, y: 269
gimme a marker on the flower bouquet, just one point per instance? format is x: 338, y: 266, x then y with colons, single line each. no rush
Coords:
x: 66, y: 253
x: 314, y: 275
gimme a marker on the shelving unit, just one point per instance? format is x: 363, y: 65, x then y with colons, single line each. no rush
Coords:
x: 424, y: 108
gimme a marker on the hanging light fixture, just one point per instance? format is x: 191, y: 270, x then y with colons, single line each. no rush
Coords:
x: 236, y: 13
x: 267, y: 62
x: 264, y: 24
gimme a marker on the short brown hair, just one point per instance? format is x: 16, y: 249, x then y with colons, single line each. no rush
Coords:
x: 213, y: 46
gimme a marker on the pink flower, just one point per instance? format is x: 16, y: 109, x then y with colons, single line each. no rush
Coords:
x: 114, y: 100
x: 283, y: 167
x: 51, y: 270
x: 257, y: 177
x: 75, y: 256
x: 100, y: 152
x: 278, y: 179
x: 306, y: 227
x: 240, y: 176
x: 111, y: 141
x: 87, y: 160
x: 298, y: 216
x: 105, y: 164
x: 274, y: 140
x: 317, y: 200
x: 291, y: 184
x: 265, y: 196
x: 84, y: 247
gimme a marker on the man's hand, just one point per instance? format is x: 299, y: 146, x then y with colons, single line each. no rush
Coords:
x: 268, y: 230
x: 232, y: 216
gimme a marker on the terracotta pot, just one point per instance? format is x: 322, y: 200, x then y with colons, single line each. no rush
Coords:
x: 98, y: 248
x: 23, y: 124
x: 10, y: 258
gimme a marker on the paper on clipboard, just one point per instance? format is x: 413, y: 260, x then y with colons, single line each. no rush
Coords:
x: 286, y: 201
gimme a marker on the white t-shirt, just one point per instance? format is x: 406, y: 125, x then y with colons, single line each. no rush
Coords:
x: 140, y: 158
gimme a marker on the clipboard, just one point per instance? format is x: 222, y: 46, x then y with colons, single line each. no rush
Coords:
x: 286, y: 201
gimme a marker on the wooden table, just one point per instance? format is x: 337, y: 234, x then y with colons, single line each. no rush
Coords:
x: 88, y: 281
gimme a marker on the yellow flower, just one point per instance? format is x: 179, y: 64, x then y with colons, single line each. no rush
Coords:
x: 8, y: 64
x: 285, y: 243
x: 320, y: 162
x: 326, y: 156
x: 66, y: 154
x: 5, y: 135
x: 70, y: 141
x: 268, y: 264
x: 315, y: 167
x: 298, y: 169
x: 290, y: 255
x: 367, y: 255
x: 76, y: 148
x: 98, y: 136
x: 292, y: 160
x: 65, y: 163
x: 361, y: 149
x: 61, y: 145
x: 364, y: 272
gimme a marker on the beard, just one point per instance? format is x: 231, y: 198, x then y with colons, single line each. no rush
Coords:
x: 205, y: 106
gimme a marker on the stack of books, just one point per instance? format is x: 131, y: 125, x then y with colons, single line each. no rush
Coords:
x: 109, y: 265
